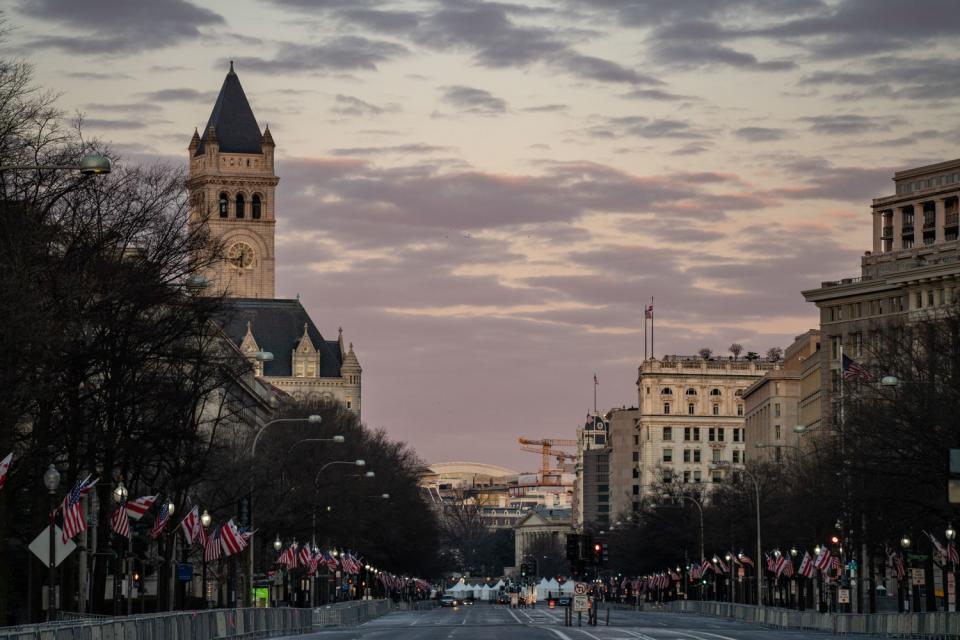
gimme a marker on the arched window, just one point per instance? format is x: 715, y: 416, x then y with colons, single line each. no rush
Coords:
x: 223, y: 205
x: 714, y: 392
x: 739, y: 393
x: 691, y: 391
x: 255, y: 207
x: 239, y: 205
x: 667, y: 391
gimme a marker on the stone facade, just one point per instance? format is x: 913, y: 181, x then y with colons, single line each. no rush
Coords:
x: 691, y: 421
x: 540, y: 523
x: 912, y: 273
x: 773, y: 404
x: 232, y: 187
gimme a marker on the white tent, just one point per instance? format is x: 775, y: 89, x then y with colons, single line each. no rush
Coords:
x: 543, y: 588
x: 486, y: 593
x: 499, y: 586
x: 567, y: 587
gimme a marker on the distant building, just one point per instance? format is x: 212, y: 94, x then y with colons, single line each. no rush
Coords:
x: 232, y: 184
x: 691, y: 420
x: 912, y: 273
x: 777, y: 402
x: 541, y: 526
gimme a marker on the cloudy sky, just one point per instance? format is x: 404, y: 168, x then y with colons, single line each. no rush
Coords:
x: 485, y: 194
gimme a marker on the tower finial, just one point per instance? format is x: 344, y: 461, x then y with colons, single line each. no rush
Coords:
x: 231, y: 66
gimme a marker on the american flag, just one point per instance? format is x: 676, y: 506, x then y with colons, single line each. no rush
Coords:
x: 952, y: 556
x: 136, y: 508
x: 771, y: 563
x: 161, y: 520
x: 4, y: 468
x: 745, y: 559
x: 304, y: 555
x: 211, y: 548
x: 897, y: 561
x: 853, y: 370
x: 778, y: 564
x: 73, y: 519
x: 233, y: 541
x: 120, y: 520
x: 191, y: 526
x: 733, y: 558
x: 835, y: 564
x: 648, y: 312
x: 823, y: 559
x: 788, y: 568
x: 936, y: 545
x: 723, y: 566
x: 706, y: 566
x: 806, y: 565
x: 330, y: 560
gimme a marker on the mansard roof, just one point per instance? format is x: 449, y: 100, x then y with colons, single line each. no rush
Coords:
x: 232, y: 119
x: 277, y: 326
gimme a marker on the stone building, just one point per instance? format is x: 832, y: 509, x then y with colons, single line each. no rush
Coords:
x: 541, y: 527
x: 232, y: 187
x: 911, y: 273
x: 778, y: 402
x: 690, y: 427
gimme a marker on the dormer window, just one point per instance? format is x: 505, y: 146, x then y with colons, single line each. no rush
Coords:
x: 255, y: 207
x: 223, y: 205
x: 715, y: 392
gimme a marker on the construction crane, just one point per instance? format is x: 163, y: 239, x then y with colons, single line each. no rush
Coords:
x: 546, y: 447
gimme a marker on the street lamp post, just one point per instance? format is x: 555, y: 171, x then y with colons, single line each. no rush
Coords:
x: 205, y: 521
x: 51, y: 480
x: 277, y: 545
x: 756, y: 486
x: 904, y: 602
x: 120, y: 494
x: 700, y: 511
x: 951, y: 535
x: 265, y: 356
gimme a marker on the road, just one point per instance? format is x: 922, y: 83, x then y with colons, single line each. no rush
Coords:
x: 487, y: 621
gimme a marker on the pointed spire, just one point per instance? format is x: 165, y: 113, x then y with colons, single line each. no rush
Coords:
x: 267, y: 138
x: 305, y: 343
x: 195, y: 140
x: 233, y: 119
x: 249, y: 344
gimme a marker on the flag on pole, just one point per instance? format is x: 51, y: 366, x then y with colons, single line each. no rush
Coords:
x: 853, y: 370
x: 806, y: 565
x: 304, y: 555
x: 191, y: 526
x: 648, y: 312
x: 952, y: 556
x: 136, y: 508
x: 120, y: 520
x: 5, y: 468
x: 779, y: 563
x: 161, y: 520
x: 745, y: 559
x: 233, y: 542
x: 823, y: 559
x: 211, y: 549
x: 936, y: 545
x: 788, y: 568
x: 73, y: 519
x: 897, y: 561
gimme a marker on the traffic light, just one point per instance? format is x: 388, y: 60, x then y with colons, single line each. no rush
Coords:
x: 604, y: 553
x: 835, y: 540
x: 524, y: 570
x: 598, y: 553
x: 573, y: 547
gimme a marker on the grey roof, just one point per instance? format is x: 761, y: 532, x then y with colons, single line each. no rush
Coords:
x: 232, y: 118
x: 277, y: 326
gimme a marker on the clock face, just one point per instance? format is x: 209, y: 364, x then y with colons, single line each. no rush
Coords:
x: 240, y: 255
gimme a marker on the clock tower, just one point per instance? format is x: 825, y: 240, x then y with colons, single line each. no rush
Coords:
x: 231, y: 187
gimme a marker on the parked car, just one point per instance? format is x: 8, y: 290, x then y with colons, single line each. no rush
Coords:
x: 563, y: 601
x: 449, y: 601
x: 503, y: 598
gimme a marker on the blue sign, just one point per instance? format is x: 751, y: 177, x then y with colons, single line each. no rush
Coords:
x: 346, y: 587
x: 184, y: 572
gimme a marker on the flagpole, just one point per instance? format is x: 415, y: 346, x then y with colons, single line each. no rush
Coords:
x: 653, y: 351
x: 644, y: 332
x: 595, y: 393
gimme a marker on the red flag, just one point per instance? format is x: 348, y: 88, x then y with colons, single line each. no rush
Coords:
x: 191, y: 526
x: 136, y: 508
x: 232, y: 542
x: 823, y: 560
x: 4, y: 468
x: 806, y: 565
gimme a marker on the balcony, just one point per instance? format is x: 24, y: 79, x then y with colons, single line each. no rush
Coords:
x: 887, y: 232
x: 907, y: 229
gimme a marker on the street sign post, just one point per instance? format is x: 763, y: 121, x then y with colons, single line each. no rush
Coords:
x: 580, y: 588
x: 917, y: 578
x: 843, y: 596
x: 581, y: 603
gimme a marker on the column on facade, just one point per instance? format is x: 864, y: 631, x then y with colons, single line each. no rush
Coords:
x: 897, y: 228
x: 877, y: 231
x: 941, y: 218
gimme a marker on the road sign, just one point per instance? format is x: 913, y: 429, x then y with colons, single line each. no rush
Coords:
x: 580, y: 588
x: 917, y: 578
x: 41, y: 546
x: 843, y: 596
x: 184, y: 572
x: 581, y: 603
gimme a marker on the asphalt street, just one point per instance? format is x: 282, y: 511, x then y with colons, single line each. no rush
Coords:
x: 486, y: 621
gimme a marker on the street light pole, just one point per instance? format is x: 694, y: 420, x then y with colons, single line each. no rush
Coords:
x: 756, y: 566
x: 51, y: 479
x: 205, y: 521
x: 264, y: 356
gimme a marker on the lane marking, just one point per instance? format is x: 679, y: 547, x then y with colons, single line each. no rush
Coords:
x: 637, y: 634
x: 510, y: 611
x: 561, y: 634
x: 707, y: 633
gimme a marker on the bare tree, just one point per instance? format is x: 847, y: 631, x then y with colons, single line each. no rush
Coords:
x: 705, y: 353
x: 774, y: 354
x: 736, y: 349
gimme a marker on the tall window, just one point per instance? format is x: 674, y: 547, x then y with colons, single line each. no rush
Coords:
x: 716, y: 409
x: 686, y: 455
x: 223, y: 205
x: 739, y: 409
x: 240, y: 205
x: 668, y: 434
x: 255, y: 207
x: 720, y: 431
x: 668, y: 455
x: 686, y: 434
x: 696, y: 434
x: 776, y: 431
x: 690, y: 408
x: 696, y: 455
x: 666, y: 408
x: 776, y: 410
x: 711, y: 434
